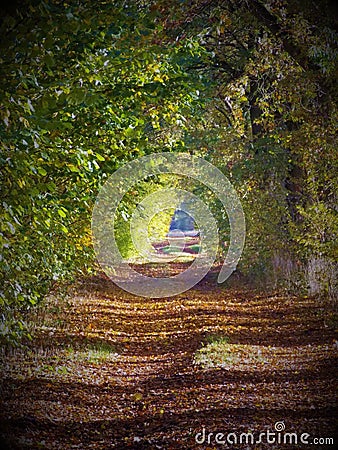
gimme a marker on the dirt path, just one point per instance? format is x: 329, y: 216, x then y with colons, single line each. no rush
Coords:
x: 113, y: 371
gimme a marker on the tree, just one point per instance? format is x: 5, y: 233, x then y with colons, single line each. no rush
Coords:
x: 273, y: 117
x: 86, y: 88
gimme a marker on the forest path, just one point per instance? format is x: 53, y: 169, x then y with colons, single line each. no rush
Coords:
x: 109, y: 370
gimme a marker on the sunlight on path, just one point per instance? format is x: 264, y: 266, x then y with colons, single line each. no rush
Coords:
x: 108, y: 367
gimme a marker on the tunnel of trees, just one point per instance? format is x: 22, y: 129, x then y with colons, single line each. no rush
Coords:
x: 87, y: 86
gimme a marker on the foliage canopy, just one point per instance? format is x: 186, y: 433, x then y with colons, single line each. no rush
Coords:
x: 250, y: 86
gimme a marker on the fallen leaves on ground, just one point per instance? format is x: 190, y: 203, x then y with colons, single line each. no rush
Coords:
x: 108, y: 370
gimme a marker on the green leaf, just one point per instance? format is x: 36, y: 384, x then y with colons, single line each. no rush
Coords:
x: 73, y: 168
x: 99, y: 157
x: 42, y: 171
x: 62, y: 213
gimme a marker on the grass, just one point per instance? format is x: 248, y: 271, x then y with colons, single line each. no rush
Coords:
x: 54, y: 362
x: 96, y: 353
x: 218, y: 351
x: 173, y: 249
x: 215, y: 352
x: 217, y: 339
